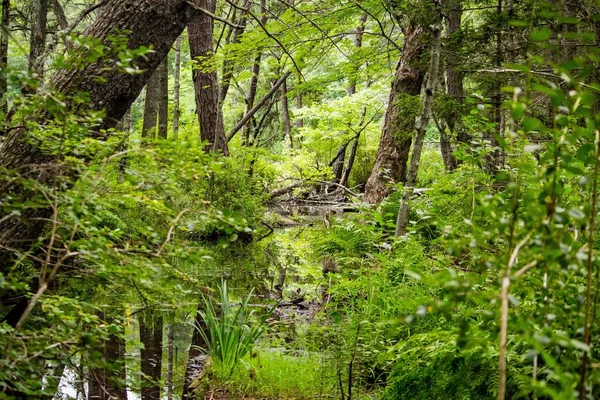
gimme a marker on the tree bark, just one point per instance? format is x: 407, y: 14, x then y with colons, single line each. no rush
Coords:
x: 425, y: 117
x: 151, y: 101
x: 170, y: 348
x: 108, y: 88
x: 285, y: 112
x: 151, y: 334
x: 350, y: 163
x: 37, y: 42
x: 163, y: 99
x: 195, y: 360
x: 5, y: 26
x: 176, y: 86
x: 455, y: 91
x: 206, y: 86
x: 59, y: 13
x: 108, y: 382
x: 399, y: 124
x: 252, y: 96
x: 156, y: 106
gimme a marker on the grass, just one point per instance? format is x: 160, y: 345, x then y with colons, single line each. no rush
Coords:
x: 272, y: 374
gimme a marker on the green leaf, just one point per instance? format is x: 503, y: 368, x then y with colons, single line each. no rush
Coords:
x: 540, y: 35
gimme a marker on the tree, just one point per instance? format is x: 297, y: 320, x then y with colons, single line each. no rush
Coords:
x: 109, y: 89
x: 37, y: 43
x: 394, y: 146
x: 206, y: 85
x: 151, y: 335
x: 156, y: 106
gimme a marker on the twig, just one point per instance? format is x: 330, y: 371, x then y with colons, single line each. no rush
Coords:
x: 213, y: 16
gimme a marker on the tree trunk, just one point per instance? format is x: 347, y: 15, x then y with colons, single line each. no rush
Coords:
x: 413, y: 170
x: 150, y: 106
x: 37, y: 42
x: 108, y: 382
x: 206, y: 86
x: 176, y: 86
x: 399, y: 124
x: 196, y: 357
x: 350, y: 163
x: 251, y: 96
x: 108, y: 88
x: 285, y: 111
x: 170, y: 348
x: 156, y: 106
x: 59, y: 13
x: 455, y: 91
x: 151, y: 335
x: 163, y: 99
x: 5, y: 26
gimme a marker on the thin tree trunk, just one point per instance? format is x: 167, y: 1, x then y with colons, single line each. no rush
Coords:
x: 151, y: 335
x: 285, y: 111
x: 494, y: 160
x: 108, y: 89
x: 399, y: 124
x: 151, y: 101
x: 196, y: 357
x: 206, y: 86
x: 108, y: 382
x: 176, y: 86
x: 5, y: 26
x: 454, y: 88
x: 163, y: 99
x: 170, y: 346
x: 37, y: 42
x: 413, y: 170
x: 252, y: 96
x: 59, y: 13
x: 350, y: 163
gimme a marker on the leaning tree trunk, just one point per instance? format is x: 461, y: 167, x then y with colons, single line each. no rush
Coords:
x: 37, y: 42
x: 206, y: 85
x: 5, y: 26
x: 285, y: 112
x: 399, y: 124
x: 151, y: 335
x: 156, y: 23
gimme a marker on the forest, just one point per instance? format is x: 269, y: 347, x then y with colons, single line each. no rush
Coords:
x: 299, y: 199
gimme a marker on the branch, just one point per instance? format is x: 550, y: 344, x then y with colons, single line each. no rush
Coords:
x: 257, y: 107
x: 213, y: 16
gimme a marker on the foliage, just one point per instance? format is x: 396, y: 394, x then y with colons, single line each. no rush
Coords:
x: 229, y: 331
